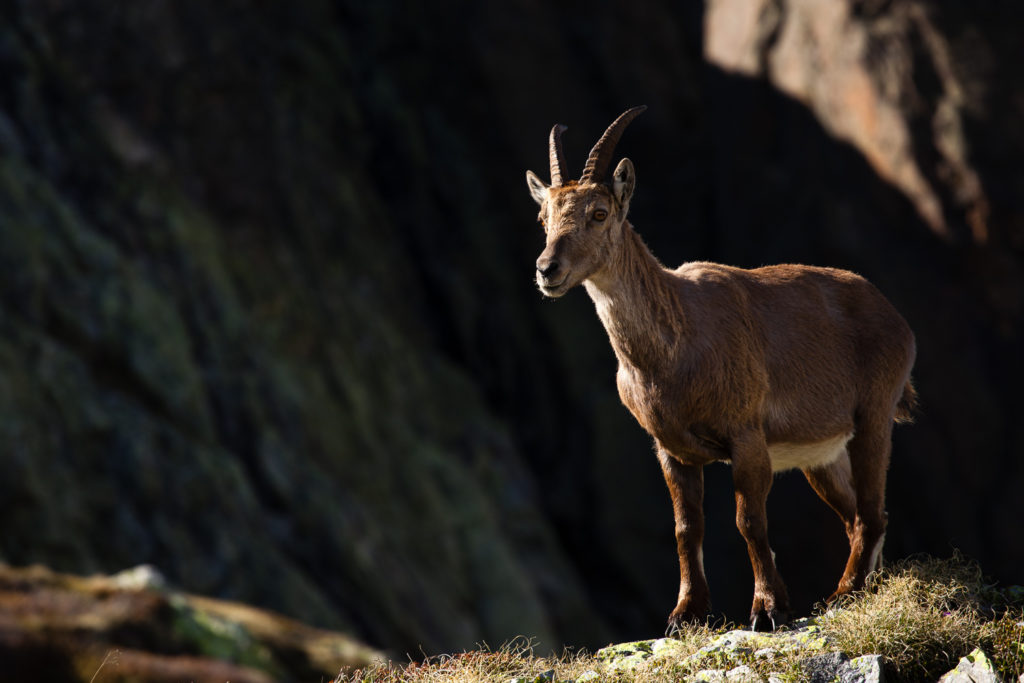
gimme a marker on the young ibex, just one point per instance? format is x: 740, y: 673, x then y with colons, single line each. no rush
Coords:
x: 768, y: 369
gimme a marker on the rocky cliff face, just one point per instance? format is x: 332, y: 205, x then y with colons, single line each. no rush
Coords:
x: 220, y: 352
x: 266, y: 317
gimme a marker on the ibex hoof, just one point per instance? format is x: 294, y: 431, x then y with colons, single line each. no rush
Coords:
x: 772, y: 620
x: 678, y: 621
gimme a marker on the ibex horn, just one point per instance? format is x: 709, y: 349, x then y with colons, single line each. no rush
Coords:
x: 601, y: 155
x: 557, y: 159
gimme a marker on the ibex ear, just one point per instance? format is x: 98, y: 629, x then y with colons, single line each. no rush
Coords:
x: 623, y: 181
x: 538, y: 188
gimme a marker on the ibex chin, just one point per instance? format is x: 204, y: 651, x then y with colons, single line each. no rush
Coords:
x: 770, y: 369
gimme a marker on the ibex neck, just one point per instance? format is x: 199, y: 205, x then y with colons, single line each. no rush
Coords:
x: 638, y: 304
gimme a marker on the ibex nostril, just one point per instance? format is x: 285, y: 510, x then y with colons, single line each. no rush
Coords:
x: 547, y: 267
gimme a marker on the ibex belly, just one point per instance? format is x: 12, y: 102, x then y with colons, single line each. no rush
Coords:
x: 788, y: 456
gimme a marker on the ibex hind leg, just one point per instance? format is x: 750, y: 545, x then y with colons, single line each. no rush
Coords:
x: 869, y: 452
x: 834, y: 484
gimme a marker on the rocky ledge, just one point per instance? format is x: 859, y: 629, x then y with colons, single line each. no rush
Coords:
x: 133, y: 627
x: 800, y: 653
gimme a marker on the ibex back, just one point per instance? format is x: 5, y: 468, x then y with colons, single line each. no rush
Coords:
x: 768, y: 369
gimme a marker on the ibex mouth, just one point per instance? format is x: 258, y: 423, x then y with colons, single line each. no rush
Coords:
x: 553, y: 291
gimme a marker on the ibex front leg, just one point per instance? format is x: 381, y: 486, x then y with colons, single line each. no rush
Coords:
x: 752, y: 478
x: 686, y: 484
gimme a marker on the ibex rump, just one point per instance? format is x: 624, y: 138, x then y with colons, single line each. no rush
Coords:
x: 768, y: 369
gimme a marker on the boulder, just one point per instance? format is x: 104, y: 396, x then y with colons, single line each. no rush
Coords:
x: 974, y: 667
x: 837, y: 667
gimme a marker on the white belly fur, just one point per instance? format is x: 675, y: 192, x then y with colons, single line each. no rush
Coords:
x: 788, y: 456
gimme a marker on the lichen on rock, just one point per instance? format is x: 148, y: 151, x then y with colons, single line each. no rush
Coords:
x: 798, y: 654
x: 974, y: 667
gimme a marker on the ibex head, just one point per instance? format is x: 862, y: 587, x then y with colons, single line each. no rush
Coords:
x: 583, y: 219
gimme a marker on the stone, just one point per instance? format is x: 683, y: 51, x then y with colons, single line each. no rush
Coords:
x: 709, y: 676
x: 739, y: 643
x: 975, y: 667
x: 823, y: 668
x: 666, y: 647
x: 743, y: 674
x: 142, y: 577
x: 834, y: 667
x: 865, y: 669
x: 627, y: 656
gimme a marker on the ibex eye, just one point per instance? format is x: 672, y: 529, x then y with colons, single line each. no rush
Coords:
x: 600, y: 215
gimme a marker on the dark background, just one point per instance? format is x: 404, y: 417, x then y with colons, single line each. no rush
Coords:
x: 267, y: 319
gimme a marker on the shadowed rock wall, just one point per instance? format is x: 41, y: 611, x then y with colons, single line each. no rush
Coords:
x: 267, y: 319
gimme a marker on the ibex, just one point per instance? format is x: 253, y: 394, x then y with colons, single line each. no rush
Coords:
x: 770, y: 369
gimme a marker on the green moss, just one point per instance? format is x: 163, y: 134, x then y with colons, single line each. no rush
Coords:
x: 627, y: 656
x: 1004, y: 638
x: 212, y: 636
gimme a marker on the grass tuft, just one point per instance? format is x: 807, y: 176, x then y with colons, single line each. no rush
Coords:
x: 923, y: 614
x: 513, y: 660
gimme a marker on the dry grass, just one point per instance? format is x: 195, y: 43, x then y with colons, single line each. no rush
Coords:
x: 924, y: 614
x: 921, y: 614
x: 514, y: 660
